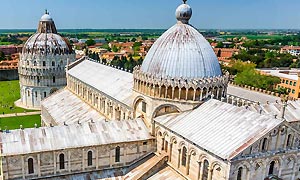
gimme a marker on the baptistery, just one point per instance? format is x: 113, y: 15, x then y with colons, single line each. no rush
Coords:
x: 42, y: 63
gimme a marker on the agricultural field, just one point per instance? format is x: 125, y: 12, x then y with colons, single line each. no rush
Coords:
x: 10, y: 123
x: 9, y: 93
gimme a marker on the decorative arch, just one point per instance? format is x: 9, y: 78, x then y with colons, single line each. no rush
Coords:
x: 165, y: 109
x: 136, y: 103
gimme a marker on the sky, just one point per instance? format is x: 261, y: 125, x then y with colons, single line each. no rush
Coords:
x: 151, y: 14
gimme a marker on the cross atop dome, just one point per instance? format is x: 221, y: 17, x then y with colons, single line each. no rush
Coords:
x: 46, y: 11
x: 184, y: 1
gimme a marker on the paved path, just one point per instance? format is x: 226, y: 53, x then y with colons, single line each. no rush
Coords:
x: 20, y: 114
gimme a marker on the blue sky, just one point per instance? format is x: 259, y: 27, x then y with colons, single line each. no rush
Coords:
x: 124, y: 14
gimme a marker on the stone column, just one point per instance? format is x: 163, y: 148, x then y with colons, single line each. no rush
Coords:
x: 210, y: 173
x: 200, y: 170
x: 188, y: 164
x: 179, y: 155
x: 54, y: 163
x: 23, y: 167
x: 39, y: 164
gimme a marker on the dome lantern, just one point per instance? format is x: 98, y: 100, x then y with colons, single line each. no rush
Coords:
x: 184, y: 13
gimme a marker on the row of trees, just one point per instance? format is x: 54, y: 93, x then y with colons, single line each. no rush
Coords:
x: 246, y: 74
x: 126, y: 63
x: 267, y: 59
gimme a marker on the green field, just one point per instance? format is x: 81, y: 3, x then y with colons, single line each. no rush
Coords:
x: 9, y: 93
x: 15, y: 122
x: 252, y: 37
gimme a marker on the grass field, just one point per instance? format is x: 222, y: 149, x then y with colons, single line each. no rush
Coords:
x: 15, y: 122
x: 253, y: 37
x: 9, y: 93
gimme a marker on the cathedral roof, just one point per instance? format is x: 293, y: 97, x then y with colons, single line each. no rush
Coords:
x: 182, y: 52
x: 66, y: 107
x: 46, y: 40
x: 113, y: 82
x: 220, y: 128
x: 72, y: 136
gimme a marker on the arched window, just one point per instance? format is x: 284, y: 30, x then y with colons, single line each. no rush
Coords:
x: 183, y: 158
x: 44, y: 63
x: 90, y: 158
x: 30, y: 166
x: 264, y: 146
x: 240, y: 174
x: 205, y: 170
x: 34, y: 63
x: 61, y: 161
x: 271, y: 169
x: 117, y: 155
x: 53, y: 79
x: 53, y: 63
x: 289, y: 141
x: 45, y: 94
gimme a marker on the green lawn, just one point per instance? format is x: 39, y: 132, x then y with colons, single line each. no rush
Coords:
x: 15, y: 122
x: 9, y: 93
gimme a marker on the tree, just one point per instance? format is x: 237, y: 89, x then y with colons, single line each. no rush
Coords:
x: 2, y: 56
x: 220, y: 45
x: 90, y: 42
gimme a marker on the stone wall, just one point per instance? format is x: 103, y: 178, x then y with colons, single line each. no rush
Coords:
x: 47, y: 164
x: 9, y: 74
x: 199, y: 164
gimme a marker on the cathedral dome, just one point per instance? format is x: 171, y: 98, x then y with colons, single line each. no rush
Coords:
x: 46, y: 41
x: 182, y: 52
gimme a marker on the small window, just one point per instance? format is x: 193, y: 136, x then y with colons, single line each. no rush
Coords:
x: 295, y: 83
x: 289, y: 142
x: 61, y: 161
x: 293, y: 91
x: 90, y: 158
x: 286, y: 82
x: 45, y: 94
x: 240, y: 174
x: 264, y: 146
x: 34, y: 63
x: 36, y: 94
x: 271, y: 169
x: 291, y: 82
x: 44, y: 63
x: 53, y: 63
x: 28, y: 93
x: 53, y: 79
x: 27, y: 63
x: 144, y: 107
x: 38, y: 79
x: 145, y: 143
x: 30, y: 166
x: 184, y: 155
x: 117, y: 155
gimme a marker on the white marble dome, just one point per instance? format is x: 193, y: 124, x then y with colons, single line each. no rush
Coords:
x: 46, y: 41
x: 182, y: 52
x: 46, y: 17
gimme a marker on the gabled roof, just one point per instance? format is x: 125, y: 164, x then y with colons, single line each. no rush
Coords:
x: 66, y: 107
x: 113, y: 82
x: 220, y: 128
x: 72, y: 136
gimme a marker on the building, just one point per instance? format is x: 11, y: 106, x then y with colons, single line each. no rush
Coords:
x: 293, y: 50
x: 11, y: 49
x: 42, y: 64
x: 289, y: 80
x: 173, y: 118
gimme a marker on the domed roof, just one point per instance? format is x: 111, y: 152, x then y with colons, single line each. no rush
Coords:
x: 46, y: 41
x: 46, y: 17
x: 182, y: 52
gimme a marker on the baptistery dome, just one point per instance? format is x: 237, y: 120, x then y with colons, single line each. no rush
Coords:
x: 182, y: 52
x: 42, y: 64
x: 46, y: 41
